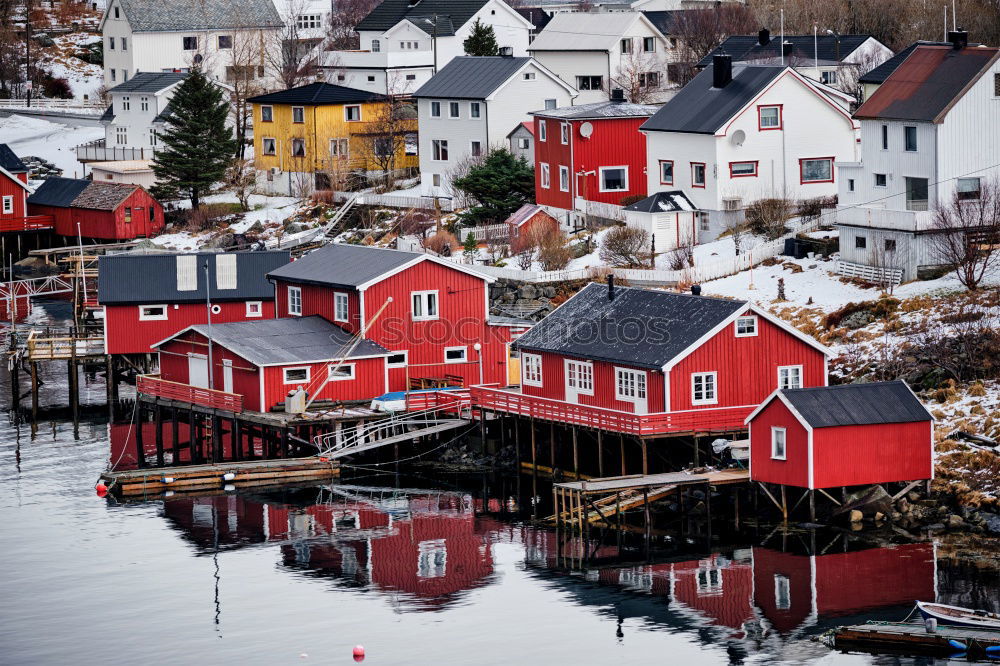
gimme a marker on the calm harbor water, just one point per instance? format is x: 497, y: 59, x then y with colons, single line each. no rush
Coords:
x: 442, y: 573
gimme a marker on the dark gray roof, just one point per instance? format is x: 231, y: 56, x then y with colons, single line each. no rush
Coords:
x: 882, y: 72
x: 390, y: 12
x: 748, y: 48
x: 666, y: 21
x: 289, y: 340
x: 58, y: 192
x: 663, y: 202
x: 109, y: 114
x: 315, y: 94
x: 537, y: 16
x: 149, y: 82
x: 162, y: 116
x: 471, y: 77
x: 857, y: 404
x: 598, y: 110
x: 10, y: 161
x: 342, y: 265
x: 177, y: 15
x: 701, y: 109
x: 151, y: 279
x: 638, y: 327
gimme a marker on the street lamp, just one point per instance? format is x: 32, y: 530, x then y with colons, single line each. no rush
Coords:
x: 479, y: 352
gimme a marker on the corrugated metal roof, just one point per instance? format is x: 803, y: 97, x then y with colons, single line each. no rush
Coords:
x: 58, y: 192
x: 390, y: 12
x: 639, y: 327
x: 666, y: 21
x: 124, y: 279
x: 857, y: 404
x: 663, y: 202
x: 583, y: 31
x: 882, y: 72
x: 471, y: 77
x: 537, y: 16
x: 701, y: 109
x: 598, y: 110
x: 289, y: 340
x: 342, y: 265
x: 747, y: 48
x: 927, y: 83
x: 318, y: 93
x: 176, y: 15
x: 9, y: 160
x: 149, y: 82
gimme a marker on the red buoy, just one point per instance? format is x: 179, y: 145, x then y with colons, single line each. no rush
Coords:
x: 101, y: 489
x: 359, y: 653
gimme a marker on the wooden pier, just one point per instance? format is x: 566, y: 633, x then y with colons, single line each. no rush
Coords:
x: 910, y: 639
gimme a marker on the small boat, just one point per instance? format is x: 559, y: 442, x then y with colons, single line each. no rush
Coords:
x: 958, y: 616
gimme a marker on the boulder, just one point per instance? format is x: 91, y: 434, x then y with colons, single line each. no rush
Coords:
x: 879, y: 516
x: 549, y: 292
x: 913, y: 495
x: 954, y: 522
x: 858, y: 319
x: 855, y: 516
x: 903, y: 505
x: 991, y: 522
x: 528, y: 292
x: 895, y: 516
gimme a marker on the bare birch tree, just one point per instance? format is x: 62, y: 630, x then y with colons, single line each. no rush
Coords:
x: 967, y: 232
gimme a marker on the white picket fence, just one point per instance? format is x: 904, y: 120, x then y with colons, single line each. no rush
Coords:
x: 395, y: 201
x: 486, y: 232
x: 874, y: 274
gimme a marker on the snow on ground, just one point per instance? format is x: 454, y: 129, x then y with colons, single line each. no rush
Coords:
x: 51, y: 140
x: 263, y: 209
x: 84, y: 78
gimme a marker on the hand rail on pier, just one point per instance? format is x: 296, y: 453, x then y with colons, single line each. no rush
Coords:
x: 205, y: 397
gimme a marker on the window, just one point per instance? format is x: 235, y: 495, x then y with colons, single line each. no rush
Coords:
x: 580, y: 377
x: 298, y: 114
x: 910, y: 139
x: 225, y: 41
x: 818, y: 170
x: 455, y: 354
x: 476, y: 148
x: 829, y: 78
x: 769, y: 117
x: 439, y: 150
x: 255, y: 309
x: 453, y: 110
x: 397, y: 359
x: 666, y: 172
x: 614, y: 179
x: 544, y: 175
x: 341, y: 372
x: 589, y: 82
x: 121, y: 135
x: 542, y: 132
x: 382, y: 146
x: 268, y: 146
x: 411, y: 144
x: 340, y: 148
x: 917, y: 193
x: 128, y: 215
x: 528, y: 76
x: 524, y: 143
x: 117, y: 15
x: 295, y: 301
x: 8, y: 204
x: 746, y: 327
x: 777, y: 443
x: 425, y: 305
x: 697, y: 174
x: 850, y: 184
x: 340, y: 310
x: 564, y: 133
x: 890, y: 245
x: 436, y: 180
x: 190, y: 43
x: 880, y: 180
x: 706, y: 222
x: 124, y: 44
x: 298, y: 148
x: 152, y: 312
x: 630, y: 384
x: 996, y: 85
x: 376, y: 46
x: 968, y: 188
x: 411, y: 77
x: 742, y: 169
x: 111, y: 43
x: 649, y: 79
x: 309, y: 21
x: 564, y: 178
x: 531, y: 369
x: 114, y: 75
x: 860, y: 242
x: 432, y: 558
x: 474, y: 110
x: 672, y: 42
x: 885, y: 137
x: 626, y: 45
x: 126, y: 104
x: 550, y: 104
x: 782, y: 592
x: 435, y: 109
x: 295, y: 375
x: 352, y: 113
x: 649, y: 44
x: 790, y: 377
x: 144, y: 103
x: 266, y: 114
x: 703, y: 388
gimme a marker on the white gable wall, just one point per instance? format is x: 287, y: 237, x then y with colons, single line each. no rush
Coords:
x: 135, y: 122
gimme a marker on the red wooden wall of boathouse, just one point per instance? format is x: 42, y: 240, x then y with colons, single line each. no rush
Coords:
x: 174, y: 367
x: 866, y: 454
x: 794, y: 469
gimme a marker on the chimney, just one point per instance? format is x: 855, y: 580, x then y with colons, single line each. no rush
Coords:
x: 786, y: 49
x: 959, y: 39
x: 611, y: 286
x: 722, y: 70
x: 617, y: 96
x: 506, y: 51
x: 764, y: 37
x: 696, y: 290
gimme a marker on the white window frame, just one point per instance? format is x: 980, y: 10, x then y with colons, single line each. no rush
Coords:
x: 425, y: 305
x: 260, y: 309
x: 564, y: 133
x: 8, y: 204
x: 581, y: 387
x: 406, y: 359
x: 714, y: 400
x: 147, y: 317
x: 476, y: 148
x: 475, y: 110
x: 456, y: 108
x: 743, y: 320
x: 341, y: 298
x: 263, y: 144
x: 600, y: 177
x: 300, y: 112
x: 286, y: 380
x: 347, y: 113
x: 542, y: 131
x: 546, y: 179
x: 295, y: 296
x: 563, y: 178
x: 788, y: 371
x: 782, y: 592
x: 760, y: 116
x: 270, y: 113
x: 465, y: 354
x: 334, y: 378
x: 435, y: 109
x: 439, y: 147
x: 774, y: 442
x: 531, y: 369
x: 639, y: 390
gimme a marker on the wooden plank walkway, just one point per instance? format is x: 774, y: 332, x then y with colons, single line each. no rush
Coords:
x: 610, y: 484
x: 909, y: 638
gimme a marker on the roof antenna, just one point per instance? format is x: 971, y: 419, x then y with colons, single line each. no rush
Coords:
x: 611, y: 286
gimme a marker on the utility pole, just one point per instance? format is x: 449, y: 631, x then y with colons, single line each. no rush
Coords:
x: 27, y: 47
x: 208, y: 313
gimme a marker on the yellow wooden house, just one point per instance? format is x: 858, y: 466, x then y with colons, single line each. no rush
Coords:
x: 314, y: 136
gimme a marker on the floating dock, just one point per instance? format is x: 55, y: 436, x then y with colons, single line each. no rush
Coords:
x: 906, y: 638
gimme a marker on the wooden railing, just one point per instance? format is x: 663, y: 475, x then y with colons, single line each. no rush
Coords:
x: 29, y: 223
x: 153, y: 385
x: 453, y: 401
x: 722, y: 419
x: 50, y: 348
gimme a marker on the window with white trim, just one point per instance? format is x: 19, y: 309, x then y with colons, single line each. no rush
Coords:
x: 630, y: 384
x: 545, y: 175
x: 564, y: 133
x: 580, y: 377
x: 298, y: 147
x: 268, y: 146
x: 777, y: 443
x: 152, y: 312
x: 425, y: 305
x: 456, y: 354
x: 295, y: 375
x: 340, y: 311
x: 8, y: 204
x: 746, y: 326
x: 397, y: 359
x: 435, y: 109
x: 453, y: 110
x: 266, y: 114
x: 531, y: 369
x: 769, y: 117
x: 295, y: 301
x: 341, y: 372
x: 704, y: 388
x: 255, y: 309
x: 298, y: 114
x: 564, y: 178
x: 474, y: 109
x: 352, y: 113
x: 542, y: 132
x: 790, y: 377
x: 782, y: 592
x: 614, y: 179
x: 439, y: 150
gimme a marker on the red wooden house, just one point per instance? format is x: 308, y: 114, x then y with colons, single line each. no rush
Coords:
x: 847, y: 435
x: 650, y: 362
x: 103, y: 211
x: 14, y: 193
x: 593, y: 152
x: 150, y: 297
x: 530, y: 220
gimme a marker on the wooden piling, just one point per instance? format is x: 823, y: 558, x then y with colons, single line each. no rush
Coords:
x: 600, y: 453
x: 576, y: 455
x: 158, y: 416
x: 34, y: 390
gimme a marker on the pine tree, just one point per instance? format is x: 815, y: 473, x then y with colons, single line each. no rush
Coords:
x: 470, y: 247
x: 499, y: 185
x: 482, y: 41
x: 197, y: 145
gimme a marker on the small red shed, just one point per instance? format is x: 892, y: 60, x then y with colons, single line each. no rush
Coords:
x: 531, y: 219
x: 14, y: 188
x: 846, y: 435
x: 104, y: 211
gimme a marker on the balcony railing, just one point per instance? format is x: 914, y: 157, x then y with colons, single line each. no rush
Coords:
x: 99, y: 151
x: 29, y: 223
x: 722, y: 419
x: 161, y: 388
x: 882, y: 218
x: 378, y: 59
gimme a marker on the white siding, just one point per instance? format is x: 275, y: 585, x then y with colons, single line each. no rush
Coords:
x: 568, y: 65
x: 895, y: 162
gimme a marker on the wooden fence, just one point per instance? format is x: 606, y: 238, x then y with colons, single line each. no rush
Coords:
x: 395, y: 201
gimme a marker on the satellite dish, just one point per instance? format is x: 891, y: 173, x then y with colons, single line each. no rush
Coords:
x: 739, y: 136
x: 586, y: 130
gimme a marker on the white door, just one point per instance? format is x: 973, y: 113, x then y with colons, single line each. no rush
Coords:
x: 198, y: 370
x: 227, y: 376
x: 579, y: 380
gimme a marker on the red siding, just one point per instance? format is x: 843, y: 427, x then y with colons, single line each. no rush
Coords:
x: 720, y: 591
x: 768, y: 566
x: 127, y: 335
x: 554, y: 153
x: 794, y: 469
x: 369, y: 381
x: 904, y: 572
x: 615, y: 142
x: 747, y: 367
x: 108, y: 225
x: 318, y: 300
x: 554, y: 384
x: 9, y: 188
x: 174, y: 367
x: 857, y: 455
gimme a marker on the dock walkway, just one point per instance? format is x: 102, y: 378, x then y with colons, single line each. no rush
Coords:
x: 908, y: 638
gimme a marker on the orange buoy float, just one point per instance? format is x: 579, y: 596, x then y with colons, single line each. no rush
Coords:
x: 101, y: 489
